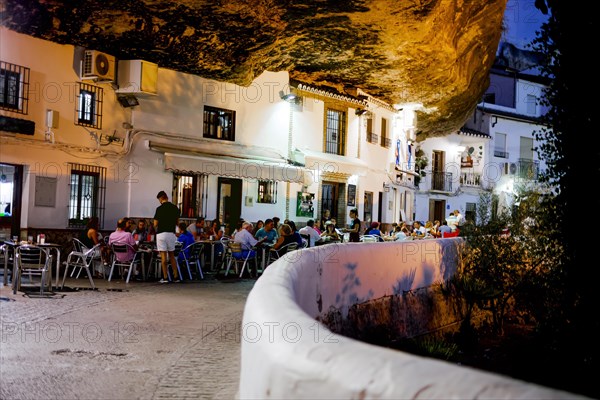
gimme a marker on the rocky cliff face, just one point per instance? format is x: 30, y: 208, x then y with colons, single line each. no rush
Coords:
x: 434, y: 52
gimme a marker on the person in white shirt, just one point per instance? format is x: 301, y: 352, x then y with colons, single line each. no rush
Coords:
x: 311, y: 232
x: 460, y: 219
x: 451, y: 220
x: 245, y: 238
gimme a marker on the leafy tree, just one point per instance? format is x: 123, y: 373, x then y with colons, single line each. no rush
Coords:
x: 572, y: 325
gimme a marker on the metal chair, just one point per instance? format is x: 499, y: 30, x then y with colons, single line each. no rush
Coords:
x: 83, y: 258
x: 124, y: 248
x: 369, y: 238
x: 32, y: 260
x: 277, y: 254
x: 193, y: 254
x: 236, y: 255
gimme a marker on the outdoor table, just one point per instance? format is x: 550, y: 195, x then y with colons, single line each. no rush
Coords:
x: 212, y: 244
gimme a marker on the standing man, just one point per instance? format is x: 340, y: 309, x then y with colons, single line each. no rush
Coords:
x: 166, y: 219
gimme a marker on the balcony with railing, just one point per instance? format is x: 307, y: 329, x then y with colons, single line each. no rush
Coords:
x: 528, y: 169
x: 472, y: 179
x: 500, y: 153
x: 386, y: 142
x: 372, y: 137
x: 441, y: 181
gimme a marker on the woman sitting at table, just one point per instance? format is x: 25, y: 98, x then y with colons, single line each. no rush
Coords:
x: 330, y: 232
x: 286, y: 236
x: 91, y: 237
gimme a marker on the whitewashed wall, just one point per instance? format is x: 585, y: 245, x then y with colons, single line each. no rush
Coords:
x: 287, y: 354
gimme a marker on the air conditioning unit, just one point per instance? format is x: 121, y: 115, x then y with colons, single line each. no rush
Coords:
x: 137, y: 77
x: 510, y: 168
x: 97, y: 65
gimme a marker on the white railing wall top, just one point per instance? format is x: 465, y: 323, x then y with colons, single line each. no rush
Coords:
x: 287, y: 354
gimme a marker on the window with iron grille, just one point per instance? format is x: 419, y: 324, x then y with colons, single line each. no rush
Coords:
x: 335, y: 132
x: 87, y: 192
x: 267, y: 192
x: 14, y: 87
x: 89, y: 106
x: 190, y: 194
x: 219, y: 123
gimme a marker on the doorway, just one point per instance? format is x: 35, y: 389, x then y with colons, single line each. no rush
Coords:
x: 437, y: 210
x: 329, y: 199
x: 229, y: 202
x: 11, y: 188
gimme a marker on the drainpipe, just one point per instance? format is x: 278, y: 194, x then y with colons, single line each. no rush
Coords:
x: 290, y: 137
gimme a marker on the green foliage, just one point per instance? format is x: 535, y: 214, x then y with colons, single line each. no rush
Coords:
x: 499, y: 271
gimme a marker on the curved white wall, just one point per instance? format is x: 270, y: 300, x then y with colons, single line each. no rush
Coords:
x: 287, y: 354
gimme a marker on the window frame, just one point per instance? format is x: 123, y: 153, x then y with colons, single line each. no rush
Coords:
x: 199, y: 186
x: 500, y: 152
x: 19, y: 101
x: 269, y: 188
x: 339, y: 142
x: 76, y: 217
x: 211, y: 123
x: 93, y: 115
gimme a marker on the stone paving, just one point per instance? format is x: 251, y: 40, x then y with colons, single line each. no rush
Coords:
x: 135, y: 341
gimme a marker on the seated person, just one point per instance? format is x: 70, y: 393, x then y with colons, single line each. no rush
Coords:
x: 186, y: 238
x: 401, y: 233
x: 121, y: 236
x: 312, y: 233
x: 296, y: 234
x: 418, y: 230
x: 245, y: 238
x: 444, y: 228
x: 140, y: 233
x: 286, y: 236
x: 269, y: 231
x: 374, y: 231
x: 330, y: 233
x: 197, y: 229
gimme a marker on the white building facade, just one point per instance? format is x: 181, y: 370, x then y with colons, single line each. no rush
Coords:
x: 494, y: 151
x: 103, y: 139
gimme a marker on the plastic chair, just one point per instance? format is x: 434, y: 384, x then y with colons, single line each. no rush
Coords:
x: 32, y: 260
x: 124, y: 248
x: 191, y: 254
x: 83, y: 258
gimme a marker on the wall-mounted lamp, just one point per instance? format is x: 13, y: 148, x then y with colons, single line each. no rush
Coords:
x: 127, y: 100
x: 289, y: 97
x: 360, y: 111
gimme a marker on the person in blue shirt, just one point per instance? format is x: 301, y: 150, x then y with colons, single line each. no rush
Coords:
x: 374, y: 231
x: 268, y: 231
x: 186, y: 238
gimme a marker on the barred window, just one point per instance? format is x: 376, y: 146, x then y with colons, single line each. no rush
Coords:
x: 190, y: 194
x: 14, y: 87
x: 87, y: 193
x: 219, y: 123
x: 89, y: 106
x: 335, y: 132
x: 267, y: 192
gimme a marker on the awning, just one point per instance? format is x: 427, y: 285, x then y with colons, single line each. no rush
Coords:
x: 194, y: 160
x: 330, y: 163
